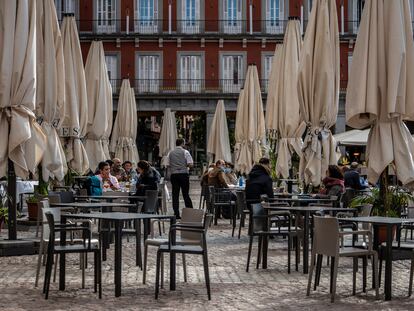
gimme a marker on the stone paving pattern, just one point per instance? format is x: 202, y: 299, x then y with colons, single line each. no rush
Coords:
x: 232, y: 287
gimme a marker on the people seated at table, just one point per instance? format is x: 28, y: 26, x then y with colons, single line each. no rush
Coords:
x: 259, y: 181
x: 229, y: 175
x: 117, y: 170
x: 333, y: 183
x: 108, y: 181
x: 216, y: 177
x: 148, y: 178
x: 352, y: 178
x: 204, y: 177
x: 130, y: 172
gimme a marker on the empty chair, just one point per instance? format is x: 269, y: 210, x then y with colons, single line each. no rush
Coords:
x: 405, y: 251
x: 200, y: 249
x: 242, y: 210
x: 259, y: 223
x: 189, y: 216
x: 66, y: 196
x: 410, y: 226
x: 86, y: 247
x: 44, y: 237
x: 222, y: 198
x: 326, y: 242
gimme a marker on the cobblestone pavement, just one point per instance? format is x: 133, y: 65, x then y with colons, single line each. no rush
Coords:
x: 232, y: 287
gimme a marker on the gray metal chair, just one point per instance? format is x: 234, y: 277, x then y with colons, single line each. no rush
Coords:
x: 242, y: 210
x: 189, y: 216
x: 86, y: 247
x: 259, y: 225
x: 200, y: 249
x: 326, y: 242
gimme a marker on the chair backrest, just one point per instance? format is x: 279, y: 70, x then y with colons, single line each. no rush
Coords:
x: 222, y: 195
x: 365, y: 210
x: 83, y: 192
x: 50, y: 219
x: 56, y: 212
x: 257, y: 221
x: 194, y: 217
x: 66, y: 197
x: 54, y: 197
x: 347, y: 196
x: 151, y: 201
x: 241, y: 201
x: 326, y: 236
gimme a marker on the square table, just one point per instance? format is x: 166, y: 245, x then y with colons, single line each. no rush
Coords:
x: 389, y: 223
x: 301, y: 199
x: 306, y: 211
x: 118, y: 218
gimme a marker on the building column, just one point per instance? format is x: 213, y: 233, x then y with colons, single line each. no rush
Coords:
x: 209, y: 121
x: 340, y: 125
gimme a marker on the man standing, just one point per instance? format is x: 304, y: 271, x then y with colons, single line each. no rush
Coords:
x: 179, y: 162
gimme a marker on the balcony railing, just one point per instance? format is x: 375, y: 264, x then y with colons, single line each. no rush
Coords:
x: 195, y: 26
x: 116, y: 85
x: 186, y: 86
x: 180, y: 26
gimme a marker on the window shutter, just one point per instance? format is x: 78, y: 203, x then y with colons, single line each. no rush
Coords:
x: 281, y: 4
x: 155, y: 13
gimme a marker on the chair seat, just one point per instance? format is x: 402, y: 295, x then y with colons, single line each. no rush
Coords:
x: 353, y: 251
x: 188, y: 249
x: 76, y: 248
x: 286, y: 229
x: 158, y: 242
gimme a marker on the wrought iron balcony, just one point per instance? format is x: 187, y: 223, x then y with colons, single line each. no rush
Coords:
x: 147, y: 26
x: 185, y: 86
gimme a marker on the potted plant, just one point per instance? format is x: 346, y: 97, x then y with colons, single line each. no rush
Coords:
x: 388, y: 203
x: 33, y: 206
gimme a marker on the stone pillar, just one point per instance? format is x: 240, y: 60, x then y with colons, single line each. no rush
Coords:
x: 340, y: 125
x: 209, y: 121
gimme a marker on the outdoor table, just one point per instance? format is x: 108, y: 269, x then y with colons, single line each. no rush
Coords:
x: 110, y: 197
x: 118, y: 218
x: 300, y: 200
x: 388, y: 223
x: 306, y: 211
x: 105, y: 206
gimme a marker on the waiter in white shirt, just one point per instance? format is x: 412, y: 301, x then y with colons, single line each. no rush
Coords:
x: 179, y: 163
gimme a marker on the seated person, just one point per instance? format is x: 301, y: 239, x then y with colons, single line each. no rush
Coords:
x: 204, y: 177
x: 117, y: 170
x: 148, y: 178
x: 108, y: 181
x: 352, y: 178
x: 216, y: 176
x: 333, y: 183
x: 229, y: 175
x: 259, y: 181
x: 130, y: 173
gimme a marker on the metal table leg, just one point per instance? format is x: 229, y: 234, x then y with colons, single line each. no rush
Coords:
x: 388, y: 264
x: 62, y: 258
x: 118, y: 257
x: 306, y: 243
x: 172, y: 260
x: 138, y: 257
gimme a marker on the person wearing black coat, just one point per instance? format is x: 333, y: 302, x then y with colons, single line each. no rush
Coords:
x: 148, y: 178
x: 352, y: 178
x: 259, y: 182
